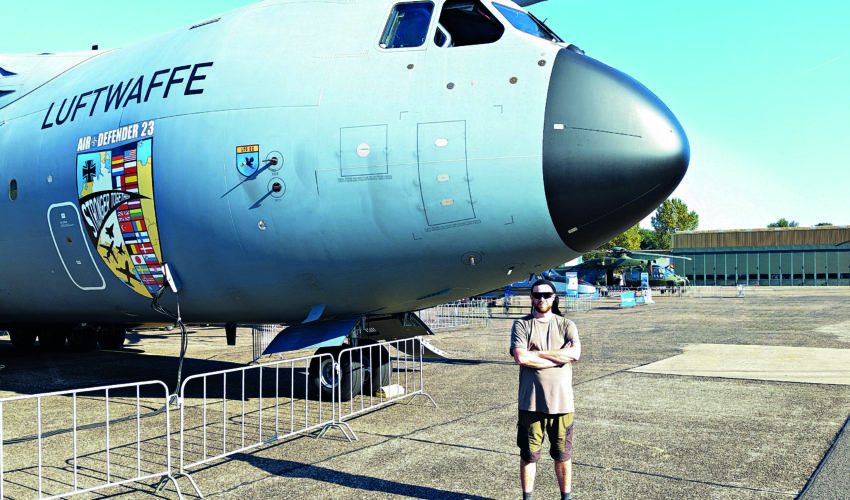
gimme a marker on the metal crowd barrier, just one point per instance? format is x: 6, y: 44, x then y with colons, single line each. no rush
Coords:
x: 573, y: 304
x: 566, y: 304
x: 470, y: 312
x: 122, y: 433
x: 232, y: 411
x: 262, y: 336
x: 378, y: 378
x: 127, y: 440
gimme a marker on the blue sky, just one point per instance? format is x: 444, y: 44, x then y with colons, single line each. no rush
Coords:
x: 761, y: 87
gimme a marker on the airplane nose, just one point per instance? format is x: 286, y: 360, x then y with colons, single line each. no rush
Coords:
x: 612, y: 151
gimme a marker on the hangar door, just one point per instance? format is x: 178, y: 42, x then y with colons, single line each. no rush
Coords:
x: 443, y: 176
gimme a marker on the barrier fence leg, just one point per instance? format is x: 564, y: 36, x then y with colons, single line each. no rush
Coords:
x: 180, y: 401
x: 336, y: 409
x: 421, y: 375
x: 162, y: 482
x: 342, y: 426
x: 173, y: 479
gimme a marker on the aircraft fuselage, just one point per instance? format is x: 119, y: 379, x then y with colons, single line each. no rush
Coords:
x: 276, y: 164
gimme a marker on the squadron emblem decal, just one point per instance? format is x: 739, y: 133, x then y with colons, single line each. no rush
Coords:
x: 115, y: 186
x: 248, y: 159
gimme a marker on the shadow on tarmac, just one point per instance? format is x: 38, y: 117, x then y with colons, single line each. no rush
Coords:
x: 287, y: 468
x: 38, y: 370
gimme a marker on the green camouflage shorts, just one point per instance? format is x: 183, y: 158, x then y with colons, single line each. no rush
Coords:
x: 532, y: 426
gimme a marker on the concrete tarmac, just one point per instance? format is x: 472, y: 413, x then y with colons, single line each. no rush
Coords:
x: 712, y: 397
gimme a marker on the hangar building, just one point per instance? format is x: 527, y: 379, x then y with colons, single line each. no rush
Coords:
x: 768, y: 257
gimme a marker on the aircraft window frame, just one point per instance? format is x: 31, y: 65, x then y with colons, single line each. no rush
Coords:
x: 442, y: 38
x: 467, y: 23
x: 523, y: 21
x: 660, y: 272
x: 13, y: 189
x: 396, y: 26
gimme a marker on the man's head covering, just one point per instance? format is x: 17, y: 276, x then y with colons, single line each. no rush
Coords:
x: 544, y: 281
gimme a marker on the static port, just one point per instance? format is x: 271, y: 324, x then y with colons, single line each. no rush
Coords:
x: 276, y: 187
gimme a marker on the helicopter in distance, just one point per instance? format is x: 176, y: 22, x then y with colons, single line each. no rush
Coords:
x: 629, y: 264
x: 523, y: 287
x: 287, y: 162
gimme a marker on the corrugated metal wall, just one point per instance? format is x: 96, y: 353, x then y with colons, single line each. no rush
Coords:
x: 788, y: 256
x: 795, y: 236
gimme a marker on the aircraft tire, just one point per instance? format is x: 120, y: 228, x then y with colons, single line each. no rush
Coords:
x: 22, y: 339
x: 349, y: 379
x: 351, y: 373
x: 377, y: 366
x: 320, y: 378
x: 82, y: 338
x: 112, y: 338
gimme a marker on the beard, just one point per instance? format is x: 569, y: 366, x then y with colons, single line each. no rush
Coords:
x: 543, y: 306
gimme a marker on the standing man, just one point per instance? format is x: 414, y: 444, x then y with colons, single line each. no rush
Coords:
x: 544, y: 343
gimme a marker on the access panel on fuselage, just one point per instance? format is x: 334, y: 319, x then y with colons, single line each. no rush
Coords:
x: 363, y: 150
x: 70, y: 240
x: 443, y: 176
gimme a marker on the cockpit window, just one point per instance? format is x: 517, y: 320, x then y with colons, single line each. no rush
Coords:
x: 527, y: 23
x: 407, y: 25
x: 467, y: 22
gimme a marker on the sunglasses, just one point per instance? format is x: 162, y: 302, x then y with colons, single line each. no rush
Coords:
x: 541, y: 295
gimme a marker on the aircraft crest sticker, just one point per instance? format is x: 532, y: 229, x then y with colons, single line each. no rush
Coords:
x: 248, y: 159
x: 115, y: 186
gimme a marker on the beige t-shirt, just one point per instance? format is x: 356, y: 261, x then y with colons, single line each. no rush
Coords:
x: 546, y: 390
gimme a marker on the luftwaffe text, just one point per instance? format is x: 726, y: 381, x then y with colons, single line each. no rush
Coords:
x: 161, y: 84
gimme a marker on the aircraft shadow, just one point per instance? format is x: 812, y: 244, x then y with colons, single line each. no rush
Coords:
x: 288, y: 381
x: 38, y: 371
x: 288, y: 468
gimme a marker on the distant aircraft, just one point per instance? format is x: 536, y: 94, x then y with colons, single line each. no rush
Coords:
x: 334, y: 166
x: 524, y: 287
x: 630, y: 264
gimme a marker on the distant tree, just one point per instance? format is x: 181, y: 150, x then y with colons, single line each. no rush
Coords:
x: 629, y: 240
x: 783, y: 223
x: 649, y: 240
x: 824, y: 224
x: 670, y: 217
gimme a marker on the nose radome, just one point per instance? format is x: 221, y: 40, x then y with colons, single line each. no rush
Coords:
x: 612, y: 151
